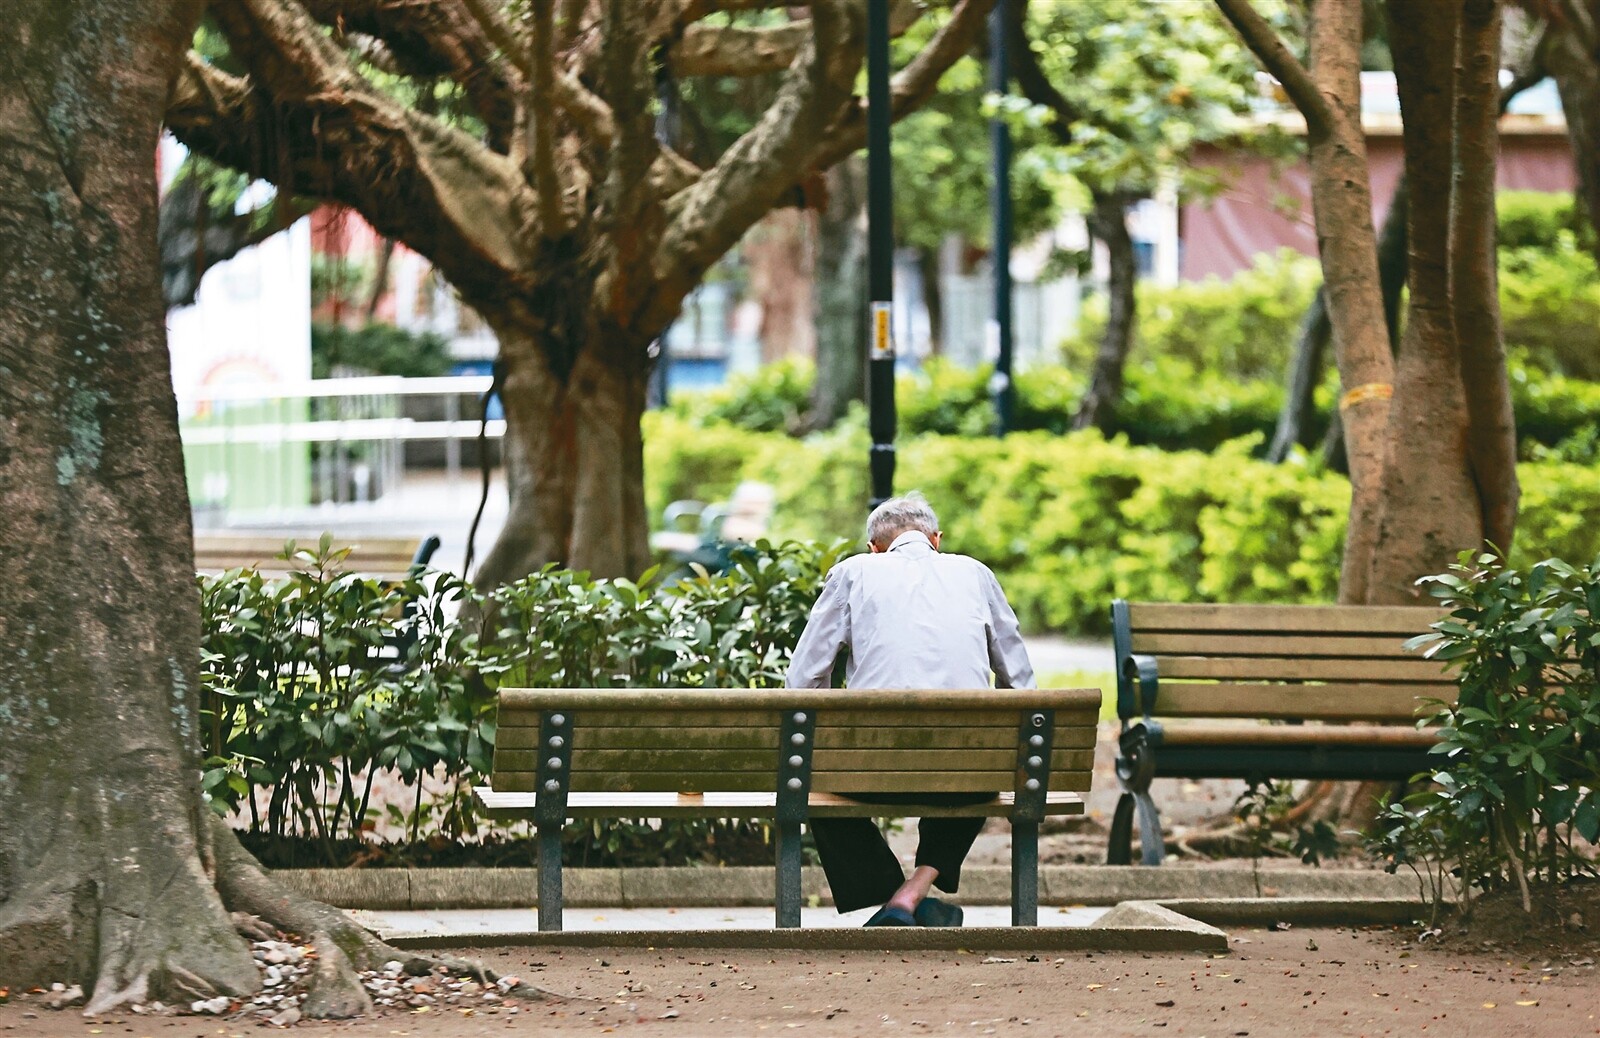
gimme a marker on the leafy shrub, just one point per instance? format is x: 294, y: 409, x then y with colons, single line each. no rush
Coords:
x: 1069, y: 522
x: 302, y: 708
x: 1518, y: 780
x: 303, y: 704
x: 1240, y: 329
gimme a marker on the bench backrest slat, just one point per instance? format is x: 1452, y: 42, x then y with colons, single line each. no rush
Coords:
x: 386, y: 557
x: 951, y: 743
x: 1312, y: 663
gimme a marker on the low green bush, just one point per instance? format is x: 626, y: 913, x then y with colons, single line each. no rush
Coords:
x: 1515, y: 797
x: 1069, y: 522
x: 303, y: 716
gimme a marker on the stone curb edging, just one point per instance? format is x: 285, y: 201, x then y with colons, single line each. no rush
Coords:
x: 1155, y: 934
x: 428, y: 889
x: 1300, y: 911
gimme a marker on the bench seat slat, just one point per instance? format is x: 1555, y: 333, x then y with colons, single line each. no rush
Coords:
x: 1331, y: 702
x: 767, y: 721
x: 862, y: 700
x: 1190, y: 733
x: 750, y: 805
x: 586, y: 737
x: 1404, y: 621
x: 759, y: 781
x: 1221, y: 643
x: 1282, y: 668
x: 765, y: 761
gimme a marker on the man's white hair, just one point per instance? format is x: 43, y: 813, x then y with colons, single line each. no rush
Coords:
x: 899, y: 514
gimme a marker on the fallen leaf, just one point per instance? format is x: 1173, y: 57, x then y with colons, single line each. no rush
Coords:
x: 1530, y: 1002
x: 1096, y: 987
x: 1488, y: 1005
x: 668, y: 1015
x: 996, y: 958
x: 1166, y: 1004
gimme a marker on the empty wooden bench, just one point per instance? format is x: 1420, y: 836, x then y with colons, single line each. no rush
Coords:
x: 1261, y: 692
x: 389, y: 558
x: 788, y: 755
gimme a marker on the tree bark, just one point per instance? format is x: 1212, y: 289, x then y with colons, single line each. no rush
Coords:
x: 1491, y: 428
x: 574, y: 454
x: 1431, y: 509
x: 1392, y: 269
x: 114, y: 874
x: 101, y: 824
x: 932, y: 298
x: 840, y: 284
x: 1108, y: 221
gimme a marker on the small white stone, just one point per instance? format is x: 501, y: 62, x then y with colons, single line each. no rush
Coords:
x: 214, y: 1006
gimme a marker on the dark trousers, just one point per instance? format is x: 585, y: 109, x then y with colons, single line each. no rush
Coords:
x: 862, y: 871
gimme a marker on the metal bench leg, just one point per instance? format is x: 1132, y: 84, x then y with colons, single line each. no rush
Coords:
x: 549, y: 877
x: 1152, y: 848
x: 1136, y: 769
x: 787, y: 903
x: 1118, y: 851
x: 1024, y: 873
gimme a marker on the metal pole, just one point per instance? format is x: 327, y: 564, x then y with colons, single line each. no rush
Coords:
x: 1000, y: 386
x: 880, y: 256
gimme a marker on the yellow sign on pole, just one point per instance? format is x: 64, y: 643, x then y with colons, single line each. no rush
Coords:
x: 882, y: 335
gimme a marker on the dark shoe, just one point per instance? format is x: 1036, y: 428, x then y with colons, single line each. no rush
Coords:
x: 933, y: 912
x: 890, y: 916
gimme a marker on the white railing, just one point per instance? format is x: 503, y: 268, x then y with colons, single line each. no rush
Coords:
x: 343, y: 418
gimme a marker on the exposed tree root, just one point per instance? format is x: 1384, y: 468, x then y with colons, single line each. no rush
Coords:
x: 342, y: 946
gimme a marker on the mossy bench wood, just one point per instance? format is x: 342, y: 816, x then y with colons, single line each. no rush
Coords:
x: 388, y: 558
x: 1259, y: 692
x: 789, y: 755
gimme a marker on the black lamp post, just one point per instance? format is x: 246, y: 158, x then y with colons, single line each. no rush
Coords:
x: 1000, y: 386
x: 880, y: 257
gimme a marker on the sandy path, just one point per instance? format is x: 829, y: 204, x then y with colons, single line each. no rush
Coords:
x: 1354, y: 983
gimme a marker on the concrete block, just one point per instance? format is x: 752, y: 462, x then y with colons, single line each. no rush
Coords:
x: 351, y: 888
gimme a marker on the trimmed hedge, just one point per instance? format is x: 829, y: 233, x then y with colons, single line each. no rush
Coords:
x: 1067, y: 522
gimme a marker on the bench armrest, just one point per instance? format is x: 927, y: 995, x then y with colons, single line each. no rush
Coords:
x: 1136, y: 675
x: 678, y: 510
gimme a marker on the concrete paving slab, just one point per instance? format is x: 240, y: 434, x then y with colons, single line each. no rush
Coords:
x: 467, y: 922
x: 422, y: 889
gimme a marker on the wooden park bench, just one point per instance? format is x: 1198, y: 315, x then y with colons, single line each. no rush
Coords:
x: 789, y: 755
x: 743, y: 518
x: 1262, y: 692
x: 388, y: 558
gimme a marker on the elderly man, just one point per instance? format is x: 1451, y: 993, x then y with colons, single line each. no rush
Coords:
x: 909, y: 617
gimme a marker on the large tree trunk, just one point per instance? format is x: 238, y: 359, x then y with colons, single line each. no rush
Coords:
x: 841, y: 296
x: 1392, y: 270
x: 101, y: 824
x: 1108, y: 221
x: 574, y: 453
x: 1491, y: 428
x: 1341, y: 196
x: 1430, y: 504
x: 114, y: 874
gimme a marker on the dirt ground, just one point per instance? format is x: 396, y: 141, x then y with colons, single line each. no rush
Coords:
x: 1296, y: 983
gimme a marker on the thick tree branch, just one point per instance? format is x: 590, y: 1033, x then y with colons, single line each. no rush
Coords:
x: 761, y: 165
x: 427, y: 38
x: 911, y: 86
x: 309, y: 124
x: 1278, y: 60
x: 541, y: 110
x: 484, y: 12
x: 720, y: 50
x: 1031, y: 78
